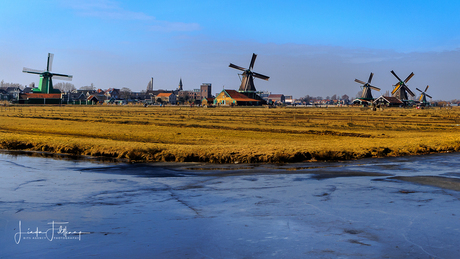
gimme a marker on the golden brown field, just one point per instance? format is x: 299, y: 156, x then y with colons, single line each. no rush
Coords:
x: 229, y: 135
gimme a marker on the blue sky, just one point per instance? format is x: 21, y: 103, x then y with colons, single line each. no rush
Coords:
x: 306, y: 47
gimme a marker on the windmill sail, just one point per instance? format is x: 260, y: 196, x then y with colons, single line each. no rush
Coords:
x: 400, y: 91
x: 367, y: 93
x: 247, y: 82
x: 423, y: 96
x: 49, y: 64
x: 46, y: 83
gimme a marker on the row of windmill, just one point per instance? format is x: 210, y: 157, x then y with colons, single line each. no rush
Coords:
x: 400, y: 90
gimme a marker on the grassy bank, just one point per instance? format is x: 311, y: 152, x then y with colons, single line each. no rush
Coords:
x: 229, y: 135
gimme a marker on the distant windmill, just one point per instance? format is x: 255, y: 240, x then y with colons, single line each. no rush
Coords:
x: 247, y: 82
x: 423, y: 95
x: 46, y: 84
x: 400, y: 91
x: 367, y: 95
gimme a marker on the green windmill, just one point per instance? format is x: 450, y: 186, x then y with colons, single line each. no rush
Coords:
x: 46, y: 83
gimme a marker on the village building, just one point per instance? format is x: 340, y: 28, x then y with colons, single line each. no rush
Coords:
x: 207, y: 101
x: 156, y: 92
x: 85, y: 92
x: 276, y: 99
x: 27, y: 90
x: 288, y: 99
x: 139, y: 97
x: 112, y: 93
x: 4, y: 96
x: 264, y: 94
x: 195, y: 95
x: 100, y: 96
x: 205, y: 90
x: 233, y: 98
x: 75, y: 98
x: 388, y: 101
x: 166, y: 98
x: 189, y: 96
x: 92, y: 100
x: 12, y: 93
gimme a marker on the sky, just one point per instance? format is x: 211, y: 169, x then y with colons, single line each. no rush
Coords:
x: 314, y: 48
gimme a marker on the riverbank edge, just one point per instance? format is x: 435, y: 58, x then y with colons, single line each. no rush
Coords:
x: 227, y: 157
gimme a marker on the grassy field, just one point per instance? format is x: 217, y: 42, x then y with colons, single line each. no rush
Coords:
x: 229, y: 135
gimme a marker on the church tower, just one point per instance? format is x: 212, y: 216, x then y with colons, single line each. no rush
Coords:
x: 180, y: 85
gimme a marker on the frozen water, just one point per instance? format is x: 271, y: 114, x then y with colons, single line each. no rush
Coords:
x: 355, y: 209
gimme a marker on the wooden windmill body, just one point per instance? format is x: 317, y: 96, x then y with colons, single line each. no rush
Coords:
x: 400, y: 91
x: 367, y: 93
x: 247, y: 82
x: 423, y: 96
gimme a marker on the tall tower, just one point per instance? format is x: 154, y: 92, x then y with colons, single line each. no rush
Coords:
x: 150, y: 85
x: 180, y: 85
x: 205, y: 91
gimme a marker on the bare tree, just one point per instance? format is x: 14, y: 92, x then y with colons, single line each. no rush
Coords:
x: 6, y: 85
x: 64, y: 87
x: 86, y: 87
x: 125, y: 93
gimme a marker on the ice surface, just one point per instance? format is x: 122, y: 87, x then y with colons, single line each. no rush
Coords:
x: 351, y: 209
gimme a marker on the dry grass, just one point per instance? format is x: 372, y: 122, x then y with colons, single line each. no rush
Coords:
x: 229, y: 135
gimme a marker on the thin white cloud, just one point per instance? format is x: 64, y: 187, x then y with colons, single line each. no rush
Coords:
x: 107, y: 9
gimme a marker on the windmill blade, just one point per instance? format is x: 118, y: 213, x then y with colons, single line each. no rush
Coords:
x: 49, y: 64
x: 60, y: 75
x: 32, y: 71
x: 421, y: 97
x: 370, y: 78
x: 409, y: 77
x: 418, y: 90
x: 427, y: 88
x: 393, y: 72
x: 236, y: 67
x: 397, y: 86
x: 359, y: 81
x: 65, y: 78
x: 253, y: 60
x: 409, y: 91
x: 375, y: 88
x: 260, y: 76
x: 428, y: 96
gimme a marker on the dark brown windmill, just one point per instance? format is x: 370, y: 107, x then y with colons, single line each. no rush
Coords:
x: 367, y: 95
x: 247, y: 82
x: 400, y: 91
x: 423, y: 96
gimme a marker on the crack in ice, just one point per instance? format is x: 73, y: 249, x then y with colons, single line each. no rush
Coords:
x: 421, y: 248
